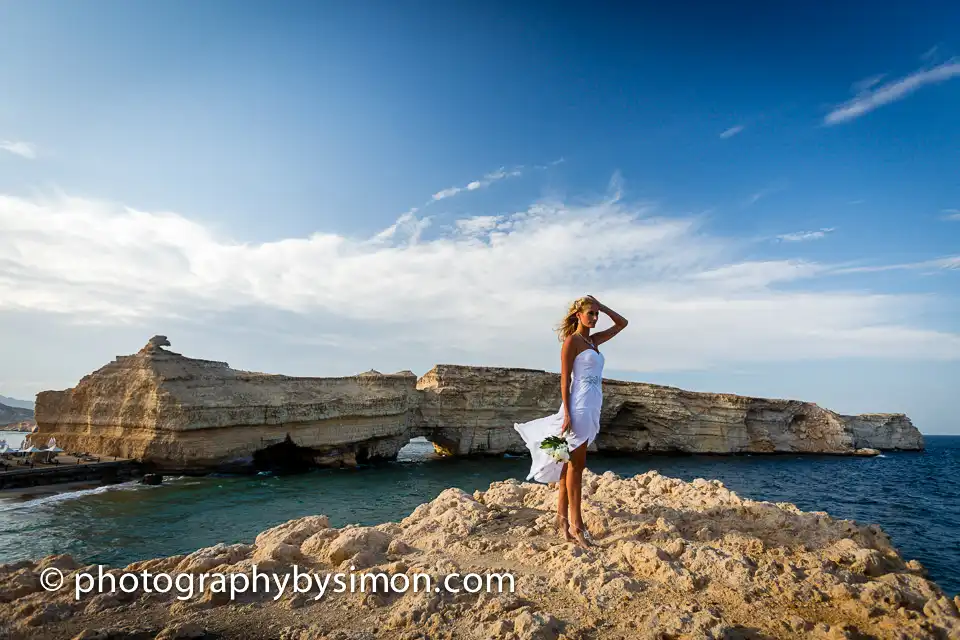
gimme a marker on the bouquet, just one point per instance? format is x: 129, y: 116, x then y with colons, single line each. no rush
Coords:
x: 557, y: 448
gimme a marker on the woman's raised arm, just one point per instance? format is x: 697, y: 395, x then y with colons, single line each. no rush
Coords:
x: 619, y: 323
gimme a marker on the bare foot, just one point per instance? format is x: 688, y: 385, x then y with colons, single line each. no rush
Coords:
x: 562, y: 525
x: 582, y: 537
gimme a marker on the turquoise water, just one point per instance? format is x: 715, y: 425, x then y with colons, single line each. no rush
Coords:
x: 13, y: 438
x: 912, y: 495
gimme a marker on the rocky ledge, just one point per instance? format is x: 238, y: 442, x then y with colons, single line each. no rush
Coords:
x: 672, y: 560
x: 182, y: 414
x: 27, y: 426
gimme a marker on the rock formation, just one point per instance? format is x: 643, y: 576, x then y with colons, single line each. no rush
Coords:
x: 672, y: 560
x: 472, y: 405
x: 184, y: 414
x: 884, y: 431
x: 27, y: 426
x: 187, y: 414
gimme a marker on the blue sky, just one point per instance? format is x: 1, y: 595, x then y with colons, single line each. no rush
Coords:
x: 769, y: 193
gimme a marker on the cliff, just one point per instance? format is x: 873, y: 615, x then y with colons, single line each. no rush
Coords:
x: 672, y: 559
x: 472, y: 409
x: 13, y: 415
x: 185, y: 414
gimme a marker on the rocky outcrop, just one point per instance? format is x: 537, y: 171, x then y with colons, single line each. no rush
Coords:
x: 472, y: 409
x: 184, y: 414
x: 27, y: 426
x: 884, y: 431
x: 672, y: 559
x: 14, y: 416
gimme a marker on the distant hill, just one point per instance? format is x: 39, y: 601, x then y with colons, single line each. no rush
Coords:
x: 13, y: 415
x: 13, y: 402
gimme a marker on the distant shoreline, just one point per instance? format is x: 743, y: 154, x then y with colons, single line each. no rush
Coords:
x: 20, y: 427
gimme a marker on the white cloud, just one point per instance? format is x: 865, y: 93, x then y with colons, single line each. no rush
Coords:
x: 871, y: 98
x: 23, y: 149
x: 951, y: 214
x: 949, y: 262
x: 447, y: 193
x: 478, y: 224
x: 801, y: 236
x: 861, y: 86
x: 487, y: 292
x: 763, y: 193
x: 732, y: 131
x: 759, y: 275
x: 407, y: 226
x: 486, y: 181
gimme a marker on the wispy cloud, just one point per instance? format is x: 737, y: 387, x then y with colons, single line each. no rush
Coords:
x: 759, y: 274
x: 407, y: 226
x: 488, y: 290
x: 871, y: 98
x: 861, y: 86
x: 552, y: 163
x: 755, y: 197
x: 802, y: 236
x: 485, y: 181
x: 952, y: 215
x: 23, y: 149
x: 948, y: 262
x: 732, y: 131
x: 478, y: 225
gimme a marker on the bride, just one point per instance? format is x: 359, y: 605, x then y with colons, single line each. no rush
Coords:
x: 578, y: 419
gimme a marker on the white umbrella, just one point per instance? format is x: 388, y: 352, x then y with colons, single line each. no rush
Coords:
x: 55, y: 450
x: 32, y: 449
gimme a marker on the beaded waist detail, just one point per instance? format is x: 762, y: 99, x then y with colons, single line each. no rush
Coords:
x: 592, y: 381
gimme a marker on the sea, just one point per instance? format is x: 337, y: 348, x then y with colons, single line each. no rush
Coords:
x: 14, y: 438
x: 915, y: 497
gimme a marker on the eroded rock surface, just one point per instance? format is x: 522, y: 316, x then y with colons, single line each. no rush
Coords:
x: 473, y: 409
x: 185, y: 414
x: 188, y: 414
x: 672, y: 560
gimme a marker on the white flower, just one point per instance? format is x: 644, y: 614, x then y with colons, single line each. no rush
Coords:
x: 560, y: 452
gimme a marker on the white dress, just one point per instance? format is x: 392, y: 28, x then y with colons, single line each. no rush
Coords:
x: 586, y: 398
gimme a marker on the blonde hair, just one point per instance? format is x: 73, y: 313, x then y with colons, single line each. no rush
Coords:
x: 570, y: 321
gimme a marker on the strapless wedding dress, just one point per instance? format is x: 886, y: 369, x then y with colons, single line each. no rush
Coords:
x: 586, y: 399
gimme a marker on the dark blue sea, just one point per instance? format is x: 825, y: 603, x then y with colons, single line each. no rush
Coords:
x: 913, y: 496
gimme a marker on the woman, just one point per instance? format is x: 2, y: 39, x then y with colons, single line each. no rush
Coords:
x: 578, y: 419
